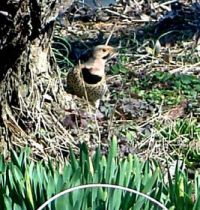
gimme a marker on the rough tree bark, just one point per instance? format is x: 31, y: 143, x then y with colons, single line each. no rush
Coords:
x: 29, y: 82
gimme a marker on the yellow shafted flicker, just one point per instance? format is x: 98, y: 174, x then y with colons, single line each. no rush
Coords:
x: 88, y: 79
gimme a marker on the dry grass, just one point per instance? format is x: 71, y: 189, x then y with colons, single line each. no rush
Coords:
x: 145, y: 122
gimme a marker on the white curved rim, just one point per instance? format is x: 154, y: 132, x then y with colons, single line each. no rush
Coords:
x: 104, y: 186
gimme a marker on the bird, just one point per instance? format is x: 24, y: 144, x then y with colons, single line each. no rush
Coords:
x: 88, y: 79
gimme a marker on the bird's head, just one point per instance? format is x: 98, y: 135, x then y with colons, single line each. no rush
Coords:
x: 104, y: 52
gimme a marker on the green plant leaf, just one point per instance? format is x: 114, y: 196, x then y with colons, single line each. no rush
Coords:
x: 29, y: 190
x: 111, y: 164
x: 7, y: 202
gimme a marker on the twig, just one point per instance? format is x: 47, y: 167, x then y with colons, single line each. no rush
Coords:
x: 126, y: 17
x: 186, y: 68
x: 111, y: 33
x: 166, y: 3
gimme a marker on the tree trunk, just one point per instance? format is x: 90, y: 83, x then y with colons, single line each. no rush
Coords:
x: 29, y: 82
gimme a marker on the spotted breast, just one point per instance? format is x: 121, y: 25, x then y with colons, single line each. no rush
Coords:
x: 88, y: 79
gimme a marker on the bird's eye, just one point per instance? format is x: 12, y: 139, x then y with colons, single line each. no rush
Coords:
x: 104, y: 50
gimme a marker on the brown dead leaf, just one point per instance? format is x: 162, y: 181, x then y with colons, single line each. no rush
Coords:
x: 176, y: 112
x: 70, y: 121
